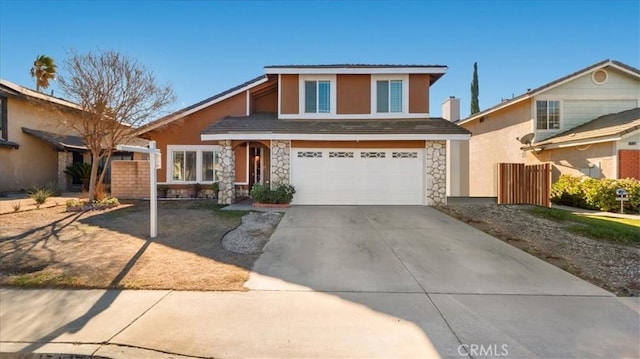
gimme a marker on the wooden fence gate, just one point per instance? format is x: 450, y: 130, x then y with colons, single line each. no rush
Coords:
x: 524, y: 184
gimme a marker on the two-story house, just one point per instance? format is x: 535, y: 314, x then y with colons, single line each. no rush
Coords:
x: 340, y: 134
x: 585, y: 123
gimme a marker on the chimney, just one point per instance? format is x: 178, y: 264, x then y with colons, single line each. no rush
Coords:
x: 451, y: 109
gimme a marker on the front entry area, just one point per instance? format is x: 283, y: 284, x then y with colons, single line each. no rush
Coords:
x: 358, y: 176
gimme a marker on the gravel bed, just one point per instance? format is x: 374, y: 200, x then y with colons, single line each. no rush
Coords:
x: 614, y: 267
x: 252, y: 234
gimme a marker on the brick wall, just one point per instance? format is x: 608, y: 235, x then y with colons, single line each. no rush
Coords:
x: 629, y: 164
x: 130, y: 179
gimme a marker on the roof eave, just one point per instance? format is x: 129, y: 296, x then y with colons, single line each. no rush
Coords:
x: 354, y: 70
x: 574, y: 143
x: 331, y: 137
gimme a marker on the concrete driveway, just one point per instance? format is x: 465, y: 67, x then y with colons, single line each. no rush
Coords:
x: 346, y: 282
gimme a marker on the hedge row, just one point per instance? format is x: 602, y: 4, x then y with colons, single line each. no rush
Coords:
x: 598, y: 194
x: 282, y: 194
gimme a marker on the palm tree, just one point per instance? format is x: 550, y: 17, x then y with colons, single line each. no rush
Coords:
x: 43, y: 70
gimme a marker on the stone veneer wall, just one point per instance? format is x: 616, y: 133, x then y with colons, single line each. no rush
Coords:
x: 280, y: 161
x: 436, y: 167
x: 64, y: 180
x: 227, y: 193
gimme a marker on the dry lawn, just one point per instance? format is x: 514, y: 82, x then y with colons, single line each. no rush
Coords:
x: 111, y: 249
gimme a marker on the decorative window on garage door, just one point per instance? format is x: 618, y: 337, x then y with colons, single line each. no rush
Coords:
x: 404, y: 155
x: 340, y: 154
x: 309, y: 154
x: 372, y: 155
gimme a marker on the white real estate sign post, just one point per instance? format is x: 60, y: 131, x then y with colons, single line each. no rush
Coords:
x: 153, y: 190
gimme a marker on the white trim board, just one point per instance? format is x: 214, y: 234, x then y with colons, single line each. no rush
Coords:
x: 367, y: 116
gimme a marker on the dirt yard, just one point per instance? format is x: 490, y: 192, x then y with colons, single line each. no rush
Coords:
x: 614, y: 267
x: 111, y: 249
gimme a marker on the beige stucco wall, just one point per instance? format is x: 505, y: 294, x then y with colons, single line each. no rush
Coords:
x: 494, y: 141
x: 458, y: 168
x: 35, y: 162
x: 573, y: 160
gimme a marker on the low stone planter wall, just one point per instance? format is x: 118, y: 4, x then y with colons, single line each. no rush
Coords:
x: 271, y: 205
x: 88, y: 207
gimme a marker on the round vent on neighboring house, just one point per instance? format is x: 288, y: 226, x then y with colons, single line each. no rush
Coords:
x: 599, y: 77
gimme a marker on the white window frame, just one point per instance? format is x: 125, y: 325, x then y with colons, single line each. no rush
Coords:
x: 199, y: 149
x: 535, y: 115
x: 302, y: 79
x: 374, y: 95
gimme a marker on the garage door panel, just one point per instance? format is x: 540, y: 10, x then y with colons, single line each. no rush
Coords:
x: 370, y: 176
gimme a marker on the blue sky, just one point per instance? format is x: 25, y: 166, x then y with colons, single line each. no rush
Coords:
x: 204, y: 47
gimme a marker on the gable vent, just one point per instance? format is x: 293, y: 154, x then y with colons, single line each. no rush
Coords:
x: 599, y: 77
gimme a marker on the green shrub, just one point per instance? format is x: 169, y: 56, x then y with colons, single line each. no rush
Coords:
x: 74, y: 203
x: 196, y: 188
x: 39, y: 195
x: 53, y: 188
x: 567, y: 191
x: 163, y: 190
x: 81, y: 171
x: 598, y: 194
x: 282, y: 194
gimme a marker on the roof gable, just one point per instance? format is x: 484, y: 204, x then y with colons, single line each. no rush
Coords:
x: 621, y: 67
x: 186, y: 111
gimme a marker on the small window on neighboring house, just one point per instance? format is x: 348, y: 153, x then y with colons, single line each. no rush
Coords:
x: 389, y: 96
x: 3, y: 118
x: 548, y: 115
x: 317, y: 96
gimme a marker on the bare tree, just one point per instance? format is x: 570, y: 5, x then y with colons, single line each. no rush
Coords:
x: 116, y: 95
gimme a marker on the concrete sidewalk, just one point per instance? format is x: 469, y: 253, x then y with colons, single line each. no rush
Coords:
x: 289, y: 324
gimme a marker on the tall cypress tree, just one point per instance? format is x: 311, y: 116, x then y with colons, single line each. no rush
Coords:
x: 475, y: 90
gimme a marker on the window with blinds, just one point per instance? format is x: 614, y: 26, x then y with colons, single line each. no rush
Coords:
x: 389, y: 96
x: 317, y: 96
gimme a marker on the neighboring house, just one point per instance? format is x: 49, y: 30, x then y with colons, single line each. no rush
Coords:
x: 340, y: 134
x: 35, y: 145
x: 564, y: 123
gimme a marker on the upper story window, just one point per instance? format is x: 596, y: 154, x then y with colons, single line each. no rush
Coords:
x: 4, y: 133
x: 547, y: 115
x: 389, y: 96
x: 317, y: 96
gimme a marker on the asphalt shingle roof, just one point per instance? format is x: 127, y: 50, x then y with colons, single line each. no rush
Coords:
x: 269, y: 123
x: 60, y: 142
x: 614, y: 124
x: 72, y: 143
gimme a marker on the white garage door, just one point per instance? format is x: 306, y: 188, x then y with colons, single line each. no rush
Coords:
x: 357, y: 176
